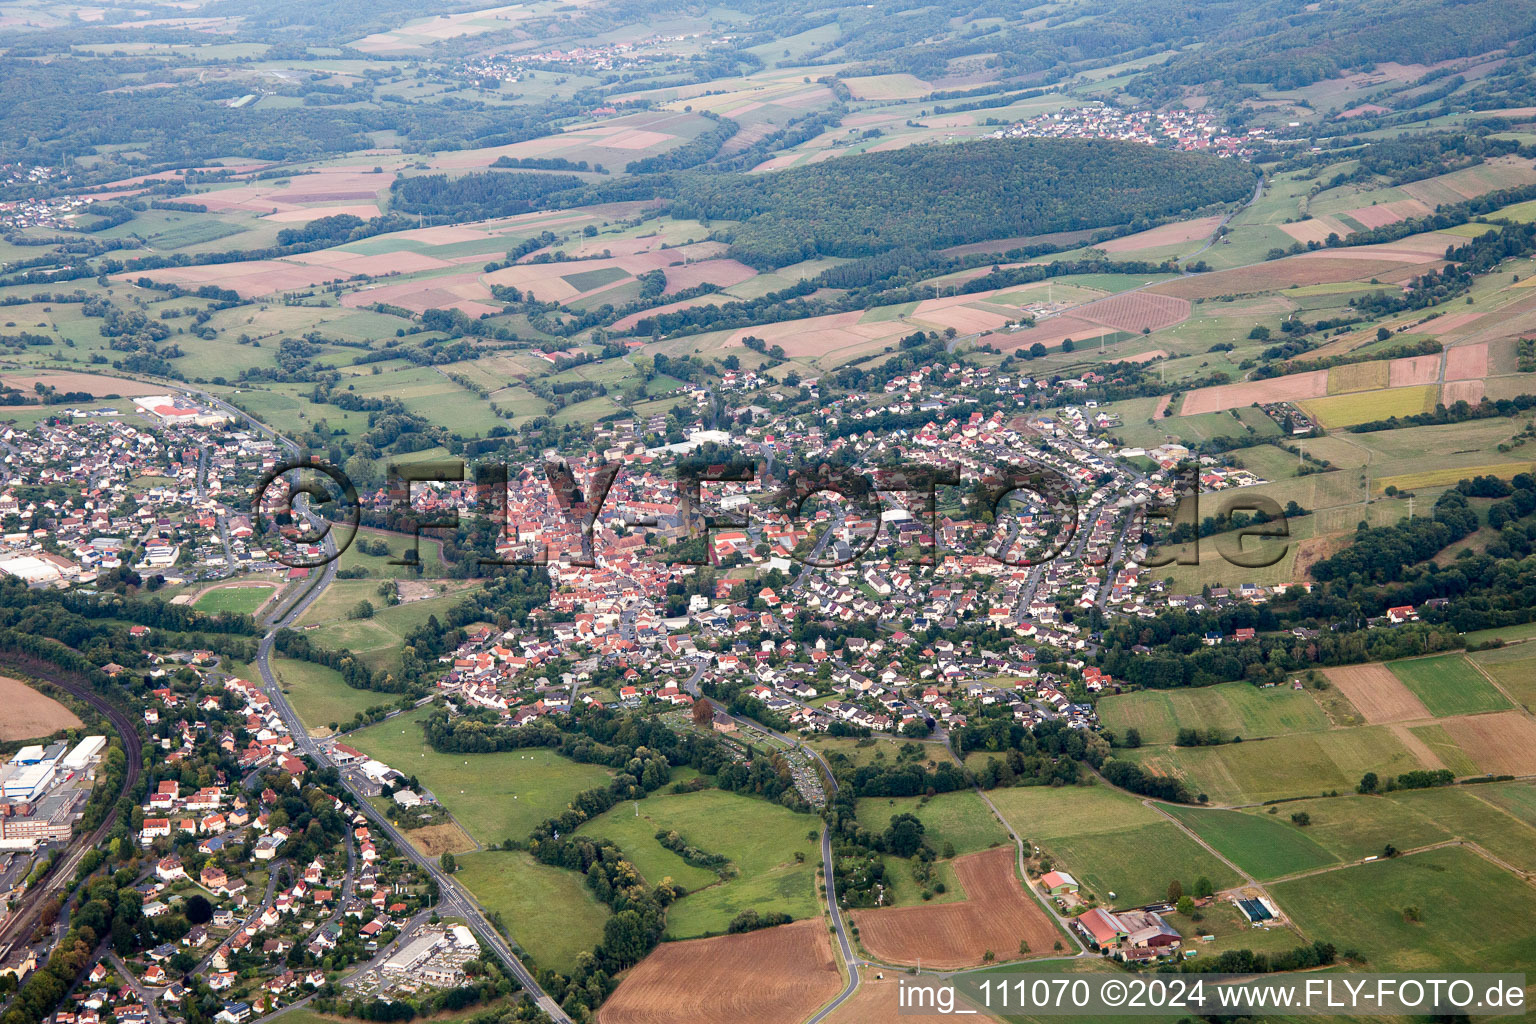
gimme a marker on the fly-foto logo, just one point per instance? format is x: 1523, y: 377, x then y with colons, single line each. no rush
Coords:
x: 317, y: 530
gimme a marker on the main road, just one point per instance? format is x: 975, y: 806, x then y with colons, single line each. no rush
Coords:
x: 454, y: 900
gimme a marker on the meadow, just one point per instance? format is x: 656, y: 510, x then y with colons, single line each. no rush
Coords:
x: 1102, y: 837
x: 1264, y: 845
x: 960, y: 820
x: 760, y: 839
x: 1472, y: 916
x: 548, y: 911
x: 1303, y: 764
x: 494, y: 796
x: 1234, y: 709
x: 321, y: 697
x: 1514, y: 668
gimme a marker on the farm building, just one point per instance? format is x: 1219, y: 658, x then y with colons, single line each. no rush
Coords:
x: 1058, y: 882
x: 1130, y: 934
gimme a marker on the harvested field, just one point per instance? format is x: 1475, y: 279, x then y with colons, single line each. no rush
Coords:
x: 1413, y: 371
x: 1050, y: 333
x: 1368, y: 406
x: 251, y: 278
x: 29, y: 714
x: 1451, y: 322
x: 1277, y: 275
x: 721, y: 272
x: 1314, y: 229
x: 774, y: 976
x: 1501, y: 744
x: 1135, y: 310
x: 1382, y: 214
x: 1167, y: 234
x: 1469, y: 391
x: 306, y: 214
x: 1465, y: 362
x: 1146, y: 357
x: 1357, y: 377
x: 1378, y: 694
x: 436, y: 840
x: 1161, y: 409
x: 997, y: 913
x: 96, y: 384
x: 1291, y: 388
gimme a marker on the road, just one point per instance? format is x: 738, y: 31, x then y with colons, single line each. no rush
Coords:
x: 454, y: 899
x: 150, y: 1009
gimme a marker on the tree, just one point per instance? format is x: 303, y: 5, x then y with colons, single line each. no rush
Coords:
x: 1301, y: 819
x: 1133, y: 737
x: 703, y: 713
x: 198, y: 909
x: 1186, y: 906
x: 1175, y: 890
x: 1382, y: 334
x: 1203, y: 888
x: 448, y: 863
x: 904, y: 836
x: 1369, y: 783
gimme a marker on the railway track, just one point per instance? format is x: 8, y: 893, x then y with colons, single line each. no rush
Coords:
x: 18, y: 927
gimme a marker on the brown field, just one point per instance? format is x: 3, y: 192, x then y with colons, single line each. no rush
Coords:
x: 1314, y: 229
x: 1135, y: 310
x: 436, y: 840
x: 875, y: 1002
x: 1291, y: 388
x: 1146, y: 357
x: 721, y: 272
x: 1382, y: 214
x: 1050, y: 333
x: 251, y: 278
x: 29, y: 714
x: 774, y: 976
x: 1469, y: 391
x: 1452, y: 322
x: 1466, y: 362
x: 96, y: 384
x: 1167, y: 234
x: 1414, y: 371
x: 1378, y: 694
x: 995, y: 915
x: 1417, y: 747
x: 1275, y: 276
x: 460, y: 291
x: 1471, y: 182
x: 1503, y: 743
x: 1162, y: 407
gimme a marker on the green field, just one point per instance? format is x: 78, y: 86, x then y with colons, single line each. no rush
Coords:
x: 759, y: 838
x: 242, y: 600
x: 550, y: 912
x: 1103, y: 837
x: 1462, y: 811
x: 1304, y: 764
x: 1448, y: 685
x: 1354, y: 827
x: 1264, y: 845
x: 1515, y: 670
x: 1474, y: 917
x: 959, y: 819
x: 1235, y: 709
x: 494, y: 796
x: 320, y: 696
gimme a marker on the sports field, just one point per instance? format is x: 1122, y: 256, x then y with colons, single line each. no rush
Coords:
x: 243, y: 598
x: 494, y: 796
x: 759, y: 838
x: 1449, y: 685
